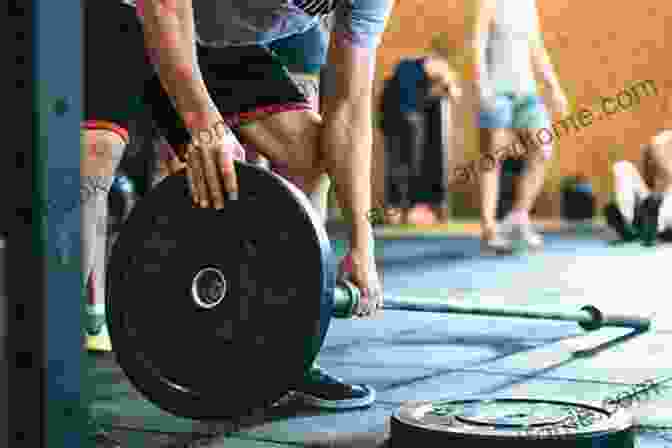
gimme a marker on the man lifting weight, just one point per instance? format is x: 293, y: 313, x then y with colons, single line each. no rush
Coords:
x: 304, y: 55
x: 632, y: 190
x: 214, y: 80
x: 509, y: 49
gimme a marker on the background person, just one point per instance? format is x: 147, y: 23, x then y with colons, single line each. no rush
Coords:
x: 509, y: 50
x: 632, y: 187
x: 405, y: 97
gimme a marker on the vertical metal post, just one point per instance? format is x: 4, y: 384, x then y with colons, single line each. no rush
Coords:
x: 22, y: 408
x: 57, y: 84
x: 4, y: 371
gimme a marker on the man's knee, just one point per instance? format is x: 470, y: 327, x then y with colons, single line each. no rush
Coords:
x: 102, y: 151
x: 305, y: 145
x: 291, y: 140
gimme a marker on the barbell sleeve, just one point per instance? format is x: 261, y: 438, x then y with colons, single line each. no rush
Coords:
x: 589, y: 317
x: 601, y: 319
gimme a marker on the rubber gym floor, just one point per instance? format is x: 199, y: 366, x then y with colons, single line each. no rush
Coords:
x: 425, y: 356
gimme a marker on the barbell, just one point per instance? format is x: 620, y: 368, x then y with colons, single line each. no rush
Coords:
x: 589, y: 317
x: 214, y: 314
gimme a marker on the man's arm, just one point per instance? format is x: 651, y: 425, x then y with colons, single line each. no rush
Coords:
x: 170, y: 40
x: 347, y: 138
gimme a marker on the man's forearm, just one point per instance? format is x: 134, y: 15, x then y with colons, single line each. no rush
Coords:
x: 171, y: 43
x: 347, y: 142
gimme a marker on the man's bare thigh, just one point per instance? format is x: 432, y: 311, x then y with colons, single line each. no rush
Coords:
x: 290, y: 139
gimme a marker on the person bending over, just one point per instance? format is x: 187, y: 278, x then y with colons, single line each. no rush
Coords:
x: 642, y: 205
x: 509, y: 50
x: 205, y: 70
x: 303, y: 55
x: 405, y: 98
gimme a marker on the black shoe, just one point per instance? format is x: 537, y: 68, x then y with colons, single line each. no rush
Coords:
x: 615, y: 220
x: 104, y: 440
x: 649, y: 213
x: 319, y: 389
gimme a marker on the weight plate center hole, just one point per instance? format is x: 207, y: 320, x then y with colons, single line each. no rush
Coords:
x: 208, y: 288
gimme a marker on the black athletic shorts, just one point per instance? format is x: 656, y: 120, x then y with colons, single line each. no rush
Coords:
x: 244, y: 82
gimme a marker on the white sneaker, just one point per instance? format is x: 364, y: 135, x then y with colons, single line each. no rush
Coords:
x: 498, y: 244
x: 526, y: 234
x: 521, y: 234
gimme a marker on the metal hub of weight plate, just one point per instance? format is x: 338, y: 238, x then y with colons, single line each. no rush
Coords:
x: 523, y: 422
x: 215, y: 314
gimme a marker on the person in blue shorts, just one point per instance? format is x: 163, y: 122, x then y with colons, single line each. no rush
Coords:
x: 509, y: 51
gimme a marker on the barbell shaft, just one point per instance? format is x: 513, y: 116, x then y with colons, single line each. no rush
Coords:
x: 589, y: 317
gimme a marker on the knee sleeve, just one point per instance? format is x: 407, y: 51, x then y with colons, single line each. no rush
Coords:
x: 94, y: 192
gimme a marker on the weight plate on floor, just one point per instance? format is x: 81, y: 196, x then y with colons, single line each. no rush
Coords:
x: 215, y: 314
x: 525, y: 422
